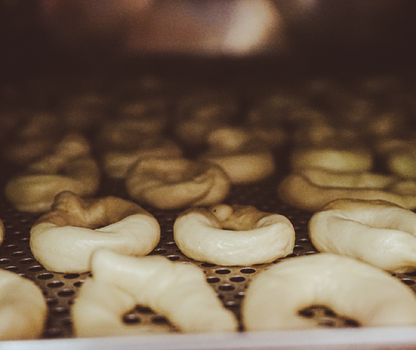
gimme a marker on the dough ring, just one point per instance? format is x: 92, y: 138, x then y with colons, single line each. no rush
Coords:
x: 244, y: 158
x: 332, y: 158
x: 176, y: 290
x: 233, y: 235
x: 310, y: 189
x: 69, y: 168
x: 23, y: 308
x: 64, y: 239
x: 349, y: 287
x: 118, y: 162
x: 172, y: 183
x: 377, y: 232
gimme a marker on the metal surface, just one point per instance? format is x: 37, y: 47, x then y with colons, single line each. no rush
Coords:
x: 229, y: 282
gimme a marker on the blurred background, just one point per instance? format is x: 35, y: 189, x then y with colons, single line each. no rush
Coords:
x: 300, y: 35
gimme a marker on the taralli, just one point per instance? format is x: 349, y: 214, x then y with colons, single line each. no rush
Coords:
x: 203, y: 113
x: 349, y: 287
x: 64, y: 239
x: 118, y: 163
x: 377, y: 232
x: 244, y: 158
x: 69, y: 168
x: 233, y: 235
x: 310, y: 189
x: 23, y: 308
x: 399, y: 156
x: 176, y: 290
x: 172, y: 183
x: 331, y: 158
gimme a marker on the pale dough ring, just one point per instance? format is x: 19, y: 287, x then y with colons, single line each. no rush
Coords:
x: 310, y: 189
x: 377, y: 232
x: 176, y: 290
x: 349, y: 287
x: 118, y: 163
x: 23, y: 308
x: 243, y: 156
x: 348, y: 160
x: 98, y: 312
x: 64, y: 239
x: 172, y: 183
x: 70, y: 168
x: 233, y: 235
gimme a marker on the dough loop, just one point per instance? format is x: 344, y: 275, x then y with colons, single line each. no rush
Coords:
x: 176, y: 290
x: 310, y: 189
x: 377, y: 232
x: 233, y: 235
x: 23, y: 308
x: 349, y: 287
x: 243, y: 157
x: 69, y: 168
x: 172, y: 183
x: 64, y: 239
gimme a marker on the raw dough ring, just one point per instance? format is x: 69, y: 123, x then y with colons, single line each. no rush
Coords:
x: 176, y: 290
x: 244, y: 158
x: 172, y: 183
x: 70, y: 168
x: 118, y: 162
x: 377, y: 232
x: 64, y: 239
x: 233, y: 235
x: 23, y: 308
x: 347, y: 286
x: 310, y: 189
x: 331, y: 158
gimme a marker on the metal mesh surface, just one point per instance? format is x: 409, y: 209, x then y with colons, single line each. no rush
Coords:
x: 229, y: 282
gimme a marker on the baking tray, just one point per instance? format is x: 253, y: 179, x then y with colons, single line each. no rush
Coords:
x: 230, y: 283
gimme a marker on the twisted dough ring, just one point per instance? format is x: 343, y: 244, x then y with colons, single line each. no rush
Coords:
x: 377, y: 232
x: 233, y: 235
x: 64, y: 239
x: 176, y: 290
x: 118, y: 162
x: 240, y: 154
x: 171, y: 183
x: 349, y: 287
x: 69, y: 168
x: 23, y: 308
x: 310, y: 189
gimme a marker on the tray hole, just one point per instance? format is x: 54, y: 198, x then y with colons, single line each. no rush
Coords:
x: 237, y: 279
x: 4, y: 261
x: 131, y: 319
x: 144, y: 309
x: 55, y: 284
x: 248, y: 270
x: 70, y: 276
x: 226, y: 287
x: 212, y: 279
x: 36, y: 268
x: 27, y: 261
x: 222, y: 271
x: 45, y: 276
x: 205, y: 264
x: 159, y: 319
x: 408, y: 281
x: 66, y: 293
